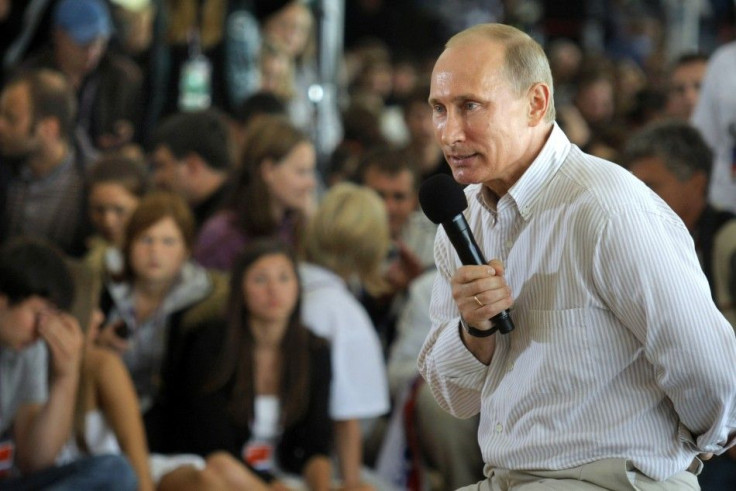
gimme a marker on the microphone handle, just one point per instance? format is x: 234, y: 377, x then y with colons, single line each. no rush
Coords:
x: 470, y: 254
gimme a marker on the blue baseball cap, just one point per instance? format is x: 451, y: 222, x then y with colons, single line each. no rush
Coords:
x: 83, y: 20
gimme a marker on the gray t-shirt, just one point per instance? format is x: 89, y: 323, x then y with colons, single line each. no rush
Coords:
x: 23, y: 379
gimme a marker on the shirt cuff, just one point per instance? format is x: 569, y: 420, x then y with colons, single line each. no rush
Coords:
x: 456, y: 363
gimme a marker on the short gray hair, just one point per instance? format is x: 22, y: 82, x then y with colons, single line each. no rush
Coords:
x: 680, y: 145
x: 526, y: 62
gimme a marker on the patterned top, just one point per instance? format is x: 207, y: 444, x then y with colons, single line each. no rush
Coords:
x: 50, y: 207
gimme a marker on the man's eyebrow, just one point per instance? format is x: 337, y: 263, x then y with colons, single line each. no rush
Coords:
x: 457, y: 98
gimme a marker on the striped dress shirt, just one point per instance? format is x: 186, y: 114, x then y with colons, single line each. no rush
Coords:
x: 618, y: 351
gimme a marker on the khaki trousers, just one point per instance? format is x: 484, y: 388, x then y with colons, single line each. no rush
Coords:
x: 610, y: 474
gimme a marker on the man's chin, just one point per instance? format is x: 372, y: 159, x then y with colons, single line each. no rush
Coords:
x: 463, y: 176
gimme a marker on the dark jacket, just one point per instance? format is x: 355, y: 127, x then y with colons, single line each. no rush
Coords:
x: 198, y: 421
x: 112, y: 92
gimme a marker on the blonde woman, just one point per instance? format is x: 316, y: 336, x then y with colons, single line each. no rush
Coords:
x: 347, y: 240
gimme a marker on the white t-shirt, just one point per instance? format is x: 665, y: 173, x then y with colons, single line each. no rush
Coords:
x: 23, y: 380
x: 359, y: 382
x: 715, y: 117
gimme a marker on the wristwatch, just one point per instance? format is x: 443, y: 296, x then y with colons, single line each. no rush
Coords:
x: 477, y: 333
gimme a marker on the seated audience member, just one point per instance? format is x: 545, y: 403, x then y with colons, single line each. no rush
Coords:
x: 273, y: 194
x: 254, y: 106
x: 595, y: 99
x: 107, y: 419
x: 713, y: 116
x: 444, y: 443
x: 362, y: 132
x: 251, y: 110
x: 291, y: 25
x: 395, y: 178
x: 107, y: 415
x: 347, y: 240
x: 675, y: 162
x: 565, y: 61
x: 257, y: 387
x: 422, y: 144
x: 46, y: 192
x: 190, y: 153
x: 685, y: 78
x: 163, y: 294
x: 40, y: 356
x: 107, y: 84
x: 276, y: 71
x: 116, y: 185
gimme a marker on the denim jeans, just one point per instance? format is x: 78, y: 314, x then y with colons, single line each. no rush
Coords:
x: 718, y: 474
x: 103, y: 472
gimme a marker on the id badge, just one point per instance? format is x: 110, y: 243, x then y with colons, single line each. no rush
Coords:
x: 258, y: 455
x: 7, y: 457
x: 195, y: 84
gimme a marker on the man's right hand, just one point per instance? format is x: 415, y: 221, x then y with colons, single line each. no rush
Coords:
x: 480, y: 293
x: 62, y: 334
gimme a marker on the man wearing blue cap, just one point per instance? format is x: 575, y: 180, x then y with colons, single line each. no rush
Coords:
x: 108, y: 85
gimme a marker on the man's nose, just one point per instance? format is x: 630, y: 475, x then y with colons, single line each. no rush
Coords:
x: 452, y: 129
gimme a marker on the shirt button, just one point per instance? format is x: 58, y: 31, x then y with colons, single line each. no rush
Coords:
x: 499, y: 428
x: 509, y: 243
x: 510, y: 366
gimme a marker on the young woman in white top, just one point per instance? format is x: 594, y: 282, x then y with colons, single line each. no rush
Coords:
x: 347, y: 241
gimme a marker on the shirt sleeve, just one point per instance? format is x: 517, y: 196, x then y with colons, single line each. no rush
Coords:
x: 646, y: 270
x: 454, y: 375
x: 359, y: 380
x: 34, y: 389
x: 23, y: 380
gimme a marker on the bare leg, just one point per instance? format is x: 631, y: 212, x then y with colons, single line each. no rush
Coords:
x: 223, y: 472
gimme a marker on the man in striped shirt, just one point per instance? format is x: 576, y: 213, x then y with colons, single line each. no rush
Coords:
x: 614, y: 377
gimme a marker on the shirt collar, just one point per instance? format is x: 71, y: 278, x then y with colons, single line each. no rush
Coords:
x: 526, y: 190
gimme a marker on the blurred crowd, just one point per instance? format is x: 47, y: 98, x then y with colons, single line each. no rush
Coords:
x: 251, y: 267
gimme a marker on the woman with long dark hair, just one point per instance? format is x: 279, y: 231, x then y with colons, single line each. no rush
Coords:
x: 257, y: 387
x: 274, y: 192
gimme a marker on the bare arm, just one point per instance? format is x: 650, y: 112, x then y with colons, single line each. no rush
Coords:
x: 318, y: 473
x: 41, y: 430
x: 349, y: 446
x: 118, y: 401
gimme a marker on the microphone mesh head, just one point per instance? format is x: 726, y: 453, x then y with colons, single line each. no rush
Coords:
x: 441, y: 198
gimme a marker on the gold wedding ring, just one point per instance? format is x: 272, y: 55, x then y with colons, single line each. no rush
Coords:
x: 478, y: 301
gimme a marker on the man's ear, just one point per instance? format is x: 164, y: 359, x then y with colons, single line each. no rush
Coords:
x: 699, y: 184
x: 4, y: 302
x: 539, y: 100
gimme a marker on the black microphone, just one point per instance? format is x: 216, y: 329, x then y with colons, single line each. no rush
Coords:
x: 443, y: 201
